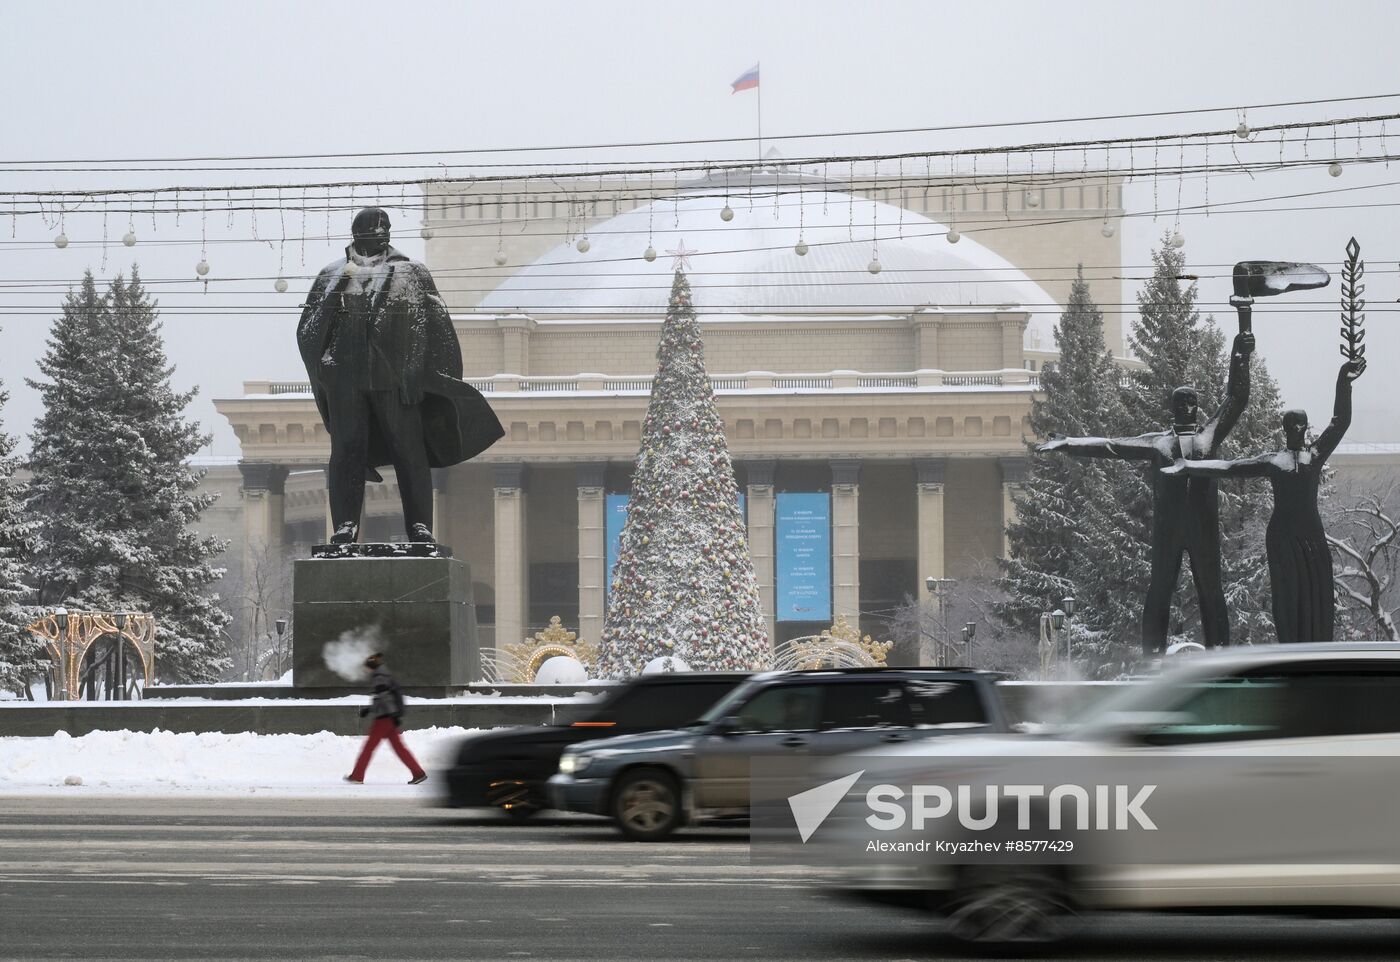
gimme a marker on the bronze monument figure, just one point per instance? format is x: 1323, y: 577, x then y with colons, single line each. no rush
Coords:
x: 1300, y: 563
x: 386, y: 369
x: 1185, y: 506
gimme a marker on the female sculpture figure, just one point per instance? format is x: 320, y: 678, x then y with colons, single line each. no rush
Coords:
x: 1300, y: 565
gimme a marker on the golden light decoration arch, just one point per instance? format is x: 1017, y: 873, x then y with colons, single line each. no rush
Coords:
x: 69, y: 635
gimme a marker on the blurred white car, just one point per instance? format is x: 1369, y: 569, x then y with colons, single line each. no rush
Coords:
x: 1283, y: 762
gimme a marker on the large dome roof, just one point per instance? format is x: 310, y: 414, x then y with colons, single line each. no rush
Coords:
x: 748, y: 266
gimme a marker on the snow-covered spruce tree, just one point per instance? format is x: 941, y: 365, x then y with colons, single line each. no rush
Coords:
x: 111, y: 486
x: 684, y: 584
x: 1065, y: 533
x: 22, y: 657
x: 1177, y: 348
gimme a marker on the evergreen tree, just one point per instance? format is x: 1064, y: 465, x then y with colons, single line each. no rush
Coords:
x: 21, y: 655
x: 1065, y: 534
x: 683, y: 584
x: 111, y: 484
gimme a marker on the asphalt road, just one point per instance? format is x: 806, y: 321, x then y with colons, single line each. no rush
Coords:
x: 126, y: 878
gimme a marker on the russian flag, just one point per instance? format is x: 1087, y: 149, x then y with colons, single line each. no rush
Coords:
x: 748, y: 80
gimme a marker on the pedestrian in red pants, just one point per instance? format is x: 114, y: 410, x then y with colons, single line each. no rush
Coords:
x: 387, y: 709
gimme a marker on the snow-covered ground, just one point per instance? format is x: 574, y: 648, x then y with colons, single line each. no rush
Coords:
x: 174, y: 763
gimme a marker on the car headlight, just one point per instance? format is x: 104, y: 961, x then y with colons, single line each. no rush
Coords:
x: 572, y: 764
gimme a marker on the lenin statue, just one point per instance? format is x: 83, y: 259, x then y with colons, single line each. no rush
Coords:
x: 386, y: 370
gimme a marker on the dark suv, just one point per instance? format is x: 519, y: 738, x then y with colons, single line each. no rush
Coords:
x: 650, y: 784
x: 507, y: 769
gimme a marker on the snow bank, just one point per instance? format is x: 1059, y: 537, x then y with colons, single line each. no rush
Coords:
x: 166, y: 763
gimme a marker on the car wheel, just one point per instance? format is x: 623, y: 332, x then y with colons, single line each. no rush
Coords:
x: 646, y: 805
x: 1008, y: 905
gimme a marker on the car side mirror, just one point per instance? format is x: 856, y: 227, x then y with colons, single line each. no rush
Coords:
x: 729, y: 725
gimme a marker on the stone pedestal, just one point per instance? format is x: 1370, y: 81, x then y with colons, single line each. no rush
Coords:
x: 418, y: 611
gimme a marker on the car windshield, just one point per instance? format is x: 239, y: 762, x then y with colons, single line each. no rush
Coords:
x: 725, y: 705
x: 656, y: 705
x: 1163, y: 694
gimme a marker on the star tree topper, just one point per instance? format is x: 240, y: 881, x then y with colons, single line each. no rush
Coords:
x: 680, y: 257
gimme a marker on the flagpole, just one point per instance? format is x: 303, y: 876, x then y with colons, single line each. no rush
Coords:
x: 760, y: 112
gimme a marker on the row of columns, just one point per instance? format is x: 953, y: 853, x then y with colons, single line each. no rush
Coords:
x: 264, y: 517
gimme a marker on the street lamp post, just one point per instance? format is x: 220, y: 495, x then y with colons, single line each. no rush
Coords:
x: 969, y: 632
x: 1067, y: 606
x: 281, y: 625
x: 940, y: 588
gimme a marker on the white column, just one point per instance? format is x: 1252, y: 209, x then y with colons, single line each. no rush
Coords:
x: 761, y: 524
x: 928, y: 477
x: 330, y: 525
x: 512, y: 582
x: 592, y: 547
x: 845, y: 539
x: 440, y: 503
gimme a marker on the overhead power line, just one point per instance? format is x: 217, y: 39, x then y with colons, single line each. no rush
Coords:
x: 705, y: 167
x: 693, y: 141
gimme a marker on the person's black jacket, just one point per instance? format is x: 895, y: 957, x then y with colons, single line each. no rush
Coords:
x: 388, y: 696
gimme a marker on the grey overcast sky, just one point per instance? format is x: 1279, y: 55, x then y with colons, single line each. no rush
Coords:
x: 169, y: 79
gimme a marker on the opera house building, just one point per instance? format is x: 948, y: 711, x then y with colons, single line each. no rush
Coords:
x: 874, y: 350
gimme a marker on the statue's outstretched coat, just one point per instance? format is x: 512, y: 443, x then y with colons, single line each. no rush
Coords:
x: 408, y: 322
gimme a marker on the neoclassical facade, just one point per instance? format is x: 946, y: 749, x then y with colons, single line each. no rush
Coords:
x: 885, y: 366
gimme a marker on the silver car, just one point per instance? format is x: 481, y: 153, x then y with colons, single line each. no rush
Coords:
x: 1274, y: 770
x: 651, y: 784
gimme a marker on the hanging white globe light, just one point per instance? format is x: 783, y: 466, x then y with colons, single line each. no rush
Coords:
x: 61, y: 241
x: 129, y: 239
x: 800, y: 248
x: 202, y: 268
x: 1178, y: 240
x: 874, y: 266
x: 583, y: 245
x: 1108, y: 230
x: 426, y: 233
x: 1242, y: 131
x: 649, y: 254
x: 1335, y: 169
x: 500, y: 258
x: 1032, y: 198
x: 280, y: 285
x: 727, y: 214
x: 952, y: 236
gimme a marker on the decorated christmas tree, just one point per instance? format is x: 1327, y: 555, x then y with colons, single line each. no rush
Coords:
x: 683, y: 585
